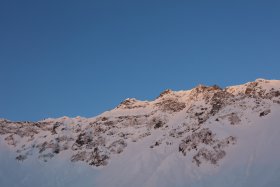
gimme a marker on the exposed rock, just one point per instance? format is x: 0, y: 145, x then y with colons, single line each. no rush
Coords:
x: 98, y: 158
x: 264, y: 113
x: 204, y: 136
x: 212, y: 156
x: 131, y: 103
x: 117, y: 146
x: 21, y: 157
x: 82, y: 139
x: 233, y: 118
x: 171, y: 105
x: 80, y: 156
x: 10, y: 140
x: 165, y: 92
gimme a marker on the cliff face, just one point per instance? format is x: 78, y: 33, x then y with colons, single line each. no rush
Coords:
x: 181, y: 138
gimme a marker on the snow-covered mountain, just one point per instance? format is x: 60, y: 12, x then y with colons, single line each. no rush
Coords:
x: 207, y: 136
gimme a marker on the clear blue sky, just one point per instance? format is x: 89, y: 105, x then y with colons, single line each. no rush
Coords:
x: 84, y: 57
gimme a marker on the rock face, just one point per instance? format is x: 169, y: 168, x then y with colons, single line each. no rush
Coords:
x: 180, y: 119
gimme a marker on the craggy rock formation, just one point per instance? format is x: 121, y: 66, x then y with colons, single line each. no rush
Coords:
x: 171, y: 105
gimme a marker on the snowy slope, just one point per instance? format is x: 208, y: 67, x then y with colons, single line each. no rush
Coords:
x: 206, y: 136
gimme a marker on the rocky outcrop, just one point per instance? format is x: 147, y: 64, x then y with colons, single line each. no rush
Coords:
x: 170, y: 105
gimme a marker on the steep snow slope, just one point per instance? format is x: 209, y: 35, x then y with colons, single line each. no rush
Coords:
x: 253, y: 161
x: 204, y: 136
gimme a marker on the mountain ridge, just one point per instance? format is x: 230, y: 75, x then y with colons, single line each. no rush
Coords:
x: 200, y: 128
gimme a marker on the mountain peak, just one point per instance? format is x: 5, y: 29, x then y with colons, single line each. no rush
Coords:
x: 165, y: 92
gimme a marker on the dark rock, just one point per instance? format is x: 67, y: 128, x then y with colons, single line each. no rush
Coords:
x: 21, y: 157
x: 264, y: 113
x: 171, y: 105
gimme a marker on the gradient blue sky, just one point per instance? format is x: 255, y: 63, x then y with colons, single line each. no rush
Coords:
x: 84, y: 57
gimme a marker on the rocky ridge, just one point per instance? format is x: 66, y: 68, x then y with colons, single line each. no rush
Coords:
x: 179, y: 119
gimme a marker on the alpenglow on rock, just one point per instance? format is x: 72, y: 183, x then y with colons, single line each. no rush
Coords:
x: 206, y: 136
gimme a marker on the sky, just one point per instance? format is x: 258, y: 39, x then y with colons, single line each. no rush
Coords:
x: 81, y: 58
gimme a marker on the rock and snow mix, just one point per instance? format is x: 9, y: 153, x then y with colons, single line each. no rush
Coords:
x: 195, y: 124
